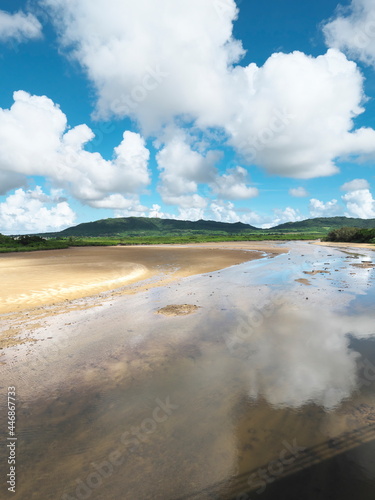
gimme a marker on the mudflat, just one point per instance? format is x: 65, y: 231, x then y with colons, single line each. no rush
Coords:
x: 255, y: 374
x: 49, y: 277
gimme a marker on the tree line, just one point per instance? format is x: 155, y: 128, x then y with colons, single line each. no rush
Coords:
x: 352, y: 235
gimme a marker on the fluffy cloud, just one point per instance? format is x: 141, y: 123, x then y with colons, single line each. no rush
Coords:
x: 185, y: 202
x: 35, y: 140
x: 293, y: 116
x: 298, y: 114
x: 360, y: 203
x: 19, y: 26
x: 299, y: 192
x: 281, y: 216
x: 320, y: 209
x: 233, y: 185
x: 190, y: 213
x: 34, y: 211
x: 189, y: 209
x: 358, y: 199
x: 156, y: 211
x: 225, y: 211
x: 355, y: 184
x: 353, y: 31
x: 151, y: 59
x: 119, y: 202
x: 182, y: 170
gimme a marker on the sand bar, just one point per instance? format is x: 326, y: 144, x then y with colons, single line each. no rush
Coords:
x: 51, y: 277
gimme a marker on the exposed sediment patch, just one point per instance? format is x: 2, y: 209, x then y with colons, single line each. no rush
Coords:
x: 178, y: 309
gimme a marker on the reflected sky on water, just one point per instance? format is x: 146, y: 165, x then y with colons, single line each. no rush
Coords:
x: 269, y: 388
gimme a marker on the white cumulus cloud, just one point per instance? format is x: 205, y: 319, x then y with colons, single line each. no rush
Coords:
x: 182, y: 169
x: 296, y: 115
x: 159, y: 61
x: 320, y: 209
x: 119, y: 202
x: 353, y: 31
x: 358, y: 199
x: 233, y: 185
x: 152, y: 59
x: 34, y: 211
x: 360, y: 203
x: 288, y: 214
x: 225, y: 211
x: 19, y: 26
x: 35, y: 141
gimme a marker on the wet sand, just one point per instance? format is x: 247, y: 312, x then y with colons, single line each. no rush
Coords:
x: 49, y: 277
x: 367, y: 246
x: 36, y: 280
x: 304, y: 281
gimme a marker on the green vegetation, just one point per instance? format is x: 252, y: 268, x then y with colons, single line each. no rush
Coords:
x: 129, y: 227
x: 154, y: 231
x: 326, y: 224
x: 352, y: 235
x: 22, y: 244
x: 140, y: 226
x: 28, y: 243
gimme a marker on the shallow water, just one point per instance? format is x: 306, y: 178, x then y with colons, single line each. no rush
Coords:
x: 267, y: 391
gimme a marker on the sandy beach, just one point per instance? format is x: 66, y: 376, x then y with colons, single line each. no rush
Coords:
x: 367, y: 246
x: 57, y: 278
x: 50, y: 277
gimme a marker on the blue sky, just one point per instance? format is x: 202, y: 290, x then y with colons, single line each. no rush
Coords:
x: 261, y: 112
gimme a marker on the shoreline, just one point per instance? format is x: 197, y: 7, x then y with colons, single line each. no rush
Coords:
x: 51, y: 283
x: 53, y: 277
x: 340, y: 244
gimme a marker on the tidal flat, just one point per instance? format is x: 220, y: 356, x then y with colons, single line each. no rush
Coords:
x: 265, y: 390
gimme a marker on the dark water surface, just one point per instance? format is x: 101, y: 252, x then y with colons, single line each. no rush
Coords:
x: 266, y: 392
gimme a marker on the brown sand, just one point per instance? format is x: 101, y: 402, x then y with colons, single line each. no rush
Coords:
x: 49, y: 277
x: 41, y: 284
x: 344, y: 245
x: 178, y: 309
x: 304, y: 281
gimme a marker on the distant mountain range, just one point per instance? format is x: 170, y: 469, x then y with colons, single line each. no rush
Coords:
x: 128, y: 226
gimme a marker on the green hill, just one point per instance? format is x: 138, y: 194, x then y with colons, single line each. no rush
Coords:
x: 325, y: 224
x: 146, y: 231
x: 138, y: 226
x: 144, y: 226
